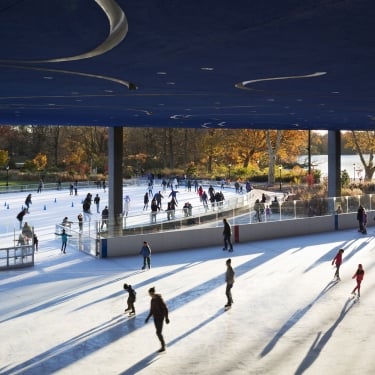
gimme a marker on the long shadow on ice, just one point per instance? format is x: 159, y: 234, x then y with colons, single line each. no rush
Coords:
x: 321, y: 341
x: 294, y: 319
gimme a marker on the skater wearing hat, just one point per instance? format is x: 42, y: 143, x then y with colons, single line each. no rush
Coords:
x: 131, y: 299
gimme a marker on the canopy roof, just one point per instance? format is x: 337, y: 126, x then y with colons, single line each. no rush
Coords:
x: 287, y: 64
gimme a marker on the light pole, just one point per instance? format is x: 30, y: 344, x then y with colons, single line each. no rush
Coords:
x: 280, y: 168
x: 7, y: 169
x: 229, y: 166
x: 353, y: 171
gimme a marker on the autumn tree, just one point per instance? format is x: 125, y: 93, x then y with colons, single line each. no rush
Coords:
x: 363, y: 142
x: 4, y: 158
x: 40, y: 161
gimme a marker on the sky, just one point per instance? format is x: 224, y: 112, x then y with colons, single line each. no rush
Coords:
x: 66, y: 314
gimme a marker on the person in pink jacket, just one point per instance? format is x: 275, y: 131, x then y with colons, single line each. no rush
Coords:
x: 359, y: 274
x: 337, y: 260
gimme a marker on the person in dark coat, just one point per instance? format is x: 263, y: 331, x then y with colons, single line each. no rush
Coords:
x: 159, y: 311
x: 145, y: 202
x: 36, y: 242
x: 80, y: 222
x: 21, y: 215
x: 105, y: 214
x: 131, y: 299
x: 97, y: 202
x: 360, y: 213
x: 227, y: 233
x: 154, y: 210
x: 28, y: 202
x: 146, y: 253
x: 229, y: 279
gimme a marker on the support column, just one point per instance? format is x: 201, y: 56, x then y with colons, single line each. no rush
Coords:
x: 334, y: 163
x: 115, y: 153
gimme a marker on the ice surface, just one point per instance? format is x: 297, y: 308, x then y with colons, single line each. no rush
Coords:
x: 66, y: 314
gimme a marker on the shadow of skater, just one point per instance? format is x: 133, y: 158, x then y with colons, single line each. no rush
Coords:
x: 294, y: 319
x: 321, y: 341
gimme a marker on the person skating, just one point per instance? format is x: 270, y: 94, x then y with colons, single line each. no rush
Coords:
x: 35, y: 242
x: 21, y: 215
x: 131, y: 299
x: 229, y: 279
x: 97, y: 202
x: 159, y: 311
x: 227, y: 233
x: 28, y: 202
x: 145, y: 202
x: 360, y: 212
x: 146, y: 253
x: 105, y: 214
x: 80, y: 222
x: 337, y: 260
x: 359, y: 274
x: 64, y: 240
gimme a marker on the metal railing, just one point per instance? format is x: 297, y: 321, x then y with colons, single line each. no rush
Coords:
x: 17, y: 257
x: 242, y: 209
x: 84, y: 239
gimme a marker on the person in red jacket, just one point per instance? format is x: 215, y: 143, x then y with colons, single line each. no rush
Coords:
x: 359, y: 274
x: 337, y: 260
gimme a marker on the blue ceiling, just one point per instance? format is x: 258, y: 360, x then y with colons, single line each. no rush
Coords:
x: 271, y: 64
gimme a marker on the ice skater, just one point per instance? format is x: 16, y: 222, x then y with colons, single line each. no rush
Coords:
x: 64, y: 240
x: 229, y: 279
x: 159, y: 311
x: 146, y: 253
x: 131, y: 299
x: 28, y: 202
x: 21, y: 215
x: 227, y: 233
x: 145, y: 202
x: 359, y: 274
x: 337, y: 260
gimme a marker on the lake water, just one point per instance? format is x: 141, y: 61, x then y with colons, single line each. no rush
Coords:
x: 347, y: 161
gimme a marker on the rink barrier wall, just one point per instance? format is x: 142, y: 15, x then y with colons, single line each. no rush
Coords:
x: 206, y: 237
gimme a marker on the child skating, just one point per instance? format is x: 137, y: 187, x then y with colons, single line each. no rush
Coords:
x: 337, y: 260
x: 64, y: 240
x: 131, y: 299
x: 359, y: 274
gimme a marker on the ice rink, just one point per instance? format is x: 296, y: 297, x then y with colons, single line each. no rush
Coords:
x: 66, y: 314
